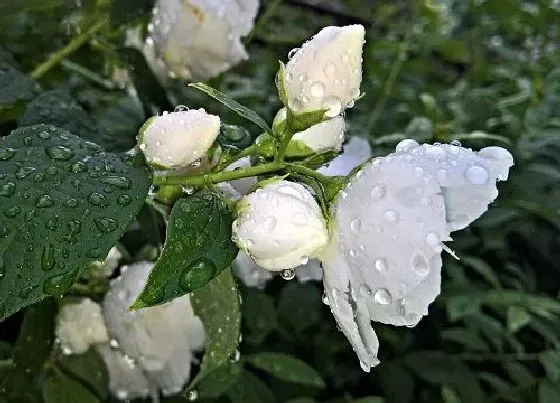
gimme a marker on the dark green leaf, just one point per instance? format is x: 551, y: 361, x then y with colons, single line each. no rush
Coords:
x: 259, y: 316
x: 219, y: 381
x: 517, y: 317
x: 551, y: 362
x: 287, y: 368
x: 250, y: 389
x: 89, y: 369
x: 124, y: 12
x: 198, y: 247
x: 218, y: 306
x: 397, y: 383
x: 60, y: 388
x: 65, y: 203
x: 151, y: 93
x: 299, y: 306
x: 440, y: 368
x: 549, y: 392
x: 32, y: 350
x: 448, y: 395
x: 235, y: 106
x: 16, y: 88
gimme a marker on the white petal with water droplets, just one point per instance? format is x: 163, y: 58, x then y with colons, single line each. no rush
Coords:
x: 80, y: 325
x: 467, y: 178
x: 177, y: 139
x: 327, y: 71
x: 200, y: 39
x: 280, y: 225
x: 355, y: 152
x: 159, y: 339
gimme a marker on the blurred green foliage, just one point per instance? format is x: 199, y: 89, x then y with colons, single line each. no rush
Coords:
x: 479, y: 71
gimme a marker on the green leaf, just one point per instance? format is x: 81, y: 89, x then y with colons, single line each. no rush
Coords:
x: 235, y: 106
x: 124, y: 12
x: 448, y: 395
x: 259, y: 316
x: 302, y: 121
x: 440, y: 368
x: 250, y: 389
x: 299, y: 306
x: 198, y: 247
x: 549, y: 392
x: 287, y: 368
x: 65, y: 203
x: 60, y: 388
x: 517, y: 317
x: 397, y: 382
x: 32, y: 350
x: 17, y: 88
x: 152, y: 95
x: 551, y: 362
x: 219, y: 381
x: 89, y: 369
x: 482, y: 268
x: 218, y: 306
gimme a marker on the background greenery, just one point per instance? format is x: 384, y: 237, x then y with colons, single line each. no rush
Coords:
x: 482, y: 72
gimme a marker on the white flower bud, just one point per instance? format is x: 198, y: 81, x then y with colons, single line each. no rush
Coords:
x: 107, y: 267
x: 160, y: 339
x: 177, y: 139
x: 80, y: 325
x: 280, y: 225
x: 327, y: 135
x: 199, y: 39
x: 326, y: 72
x: 383, y: 262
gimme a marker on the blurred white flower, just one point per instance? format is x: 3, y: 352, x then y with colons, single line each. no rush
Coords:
x: 327, y: 135
x: 160, y: 340
x: 355, y: 152
x: 199, y: 39
x: 80, y: 325
x: 383, y: 261
x: 280, y: 225
x: 108, y: 266
x: 177, y: 139
x: 245, y: 184
x: 326, y: 72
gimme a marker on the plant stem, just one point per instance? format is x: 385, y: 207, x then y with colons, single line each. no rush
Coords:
x: 391, y: 79
x: 300, y: 169
x: 247, y: 152
x: 217, y: 177
x: 70, y: 48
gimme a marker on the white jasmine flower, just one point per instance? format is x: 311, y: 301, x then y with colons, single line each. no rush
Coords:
x: 177, y: 139
x: 108, y: 266
x: 80, y: 325
x: 327, y: 135
x: 280, y: 225
x: 326, y: 72
x: 355, y: 152
x: 242, y: 185
x: 199, y: 39
x: 160, y: 339
x: 383, y: 261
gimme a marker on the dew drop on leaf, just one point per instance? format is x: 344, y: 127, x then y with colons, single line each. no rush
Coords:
x: 47, y: 258
x: 97, y: 199
x: 197, y: 274
x: 59, y: 153
x: 106, y: 224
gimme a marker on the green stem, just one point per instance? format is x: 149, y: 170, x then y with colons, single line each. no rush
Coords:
x: 300, y: 169
x: 217, y: 177
x: 391, y: 79
x: 230, y: 159
x: 89, y: 75
x: 61, y: 54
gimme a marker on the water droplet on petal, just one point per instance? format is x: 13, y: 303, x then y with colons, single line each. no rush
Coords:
x: 476, y: 175
x: 420, y: 264
x: 270, y: 224
x: 365, y: 290
x: 317, y: 89
x: 378, y: 192
x: 288, y: 274
x: 381, y: 264
x: 356, y: 225
x: 391, y: 216
x: 432, y: 239
x: 383, y: 297
x: 406, y: 144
